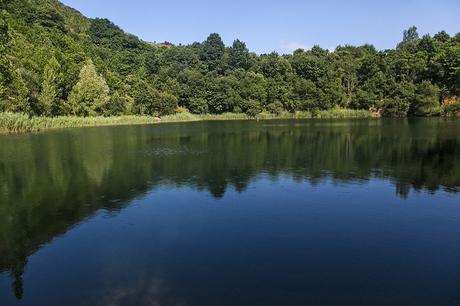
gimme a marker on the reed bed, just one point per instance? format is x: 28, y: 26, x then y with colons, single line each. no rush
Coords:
x: 11, y: 123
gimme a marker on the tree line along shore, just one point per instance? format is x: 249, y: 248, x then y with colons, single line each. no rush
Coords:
x: 59, y: 68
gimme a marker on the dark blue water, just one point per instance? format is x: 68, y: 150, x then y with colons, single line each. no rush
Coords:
x: 233, y: 213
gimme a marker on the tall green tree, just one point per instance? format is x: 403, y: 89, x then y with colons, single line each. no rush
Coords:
x: 18, y: 99
x: 212, y: 51
x: 49, y: 96
x: 14, y: 93
x: 5, y: 67
x: 410, y: 36
x: 239, y: 55
x: 91, y: 93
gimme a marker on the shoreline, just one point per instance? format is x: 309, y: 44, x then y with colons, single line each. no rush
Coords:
x: 15, y: 123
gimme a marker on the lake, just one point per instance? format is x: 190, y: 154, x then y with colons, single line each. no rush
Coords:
x: 314, y: 212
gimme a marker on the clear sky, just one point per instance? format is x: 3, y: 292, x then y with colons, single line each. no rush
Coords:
x: 278, y: 25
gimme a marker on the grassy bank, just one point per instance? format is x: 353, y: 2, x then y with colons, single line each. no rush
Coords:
x: 11, y: 123
x: 329, y: 114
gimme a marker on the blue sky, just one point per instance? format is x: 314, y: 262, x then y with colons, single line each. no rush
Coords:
x: 280, y: 26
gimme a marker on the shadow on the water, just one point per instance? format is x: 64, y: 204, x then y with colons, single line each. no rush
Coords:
x: 52, y: 181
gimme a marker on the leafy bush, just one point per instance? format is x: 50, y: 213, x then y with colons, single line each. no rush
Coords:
x: 198, y: 106
x: 275, y: 108
x: 251, y: 108
x: 426, y: 100
x: 395, y: 107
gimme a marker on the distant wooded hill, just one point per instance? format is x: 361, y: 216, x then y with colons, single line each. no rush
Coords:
x: 54, y: 61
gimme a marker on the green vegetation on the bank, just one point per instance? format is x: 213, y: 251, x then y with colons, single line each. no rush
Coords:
x: 17, y: 123
x: 11, y: 123
x: 55, y: 62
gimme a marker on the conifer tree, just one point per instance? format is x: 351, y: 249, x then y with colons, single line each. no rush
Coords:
x: 90, y: 94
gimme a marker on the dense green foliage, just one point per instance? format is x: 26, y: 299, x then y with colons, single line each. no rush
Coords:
x: 56, y: 62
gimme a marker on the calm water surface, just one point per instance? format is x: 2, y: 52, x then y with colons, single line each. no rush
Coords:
x: 344, y: 212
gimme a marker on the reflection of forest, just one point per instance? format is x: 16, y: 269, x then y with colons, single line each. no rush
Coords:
x: 51, y: 181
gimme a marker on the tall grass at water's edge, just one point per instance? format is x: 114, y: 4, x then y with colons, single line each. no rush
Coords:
x: 11, y: 123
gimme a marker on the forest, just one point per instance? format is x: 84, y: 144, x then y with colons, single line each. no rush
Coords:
x: 56, y: 62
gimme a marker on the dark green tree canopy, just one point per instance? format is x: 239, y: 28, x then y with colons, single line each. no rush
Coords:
x: 212, y: 50
x: 410, y: 36
x: 239, y: 55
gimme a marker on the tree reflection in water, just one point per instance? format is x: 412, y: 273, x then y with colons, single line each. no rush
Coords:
x: 51, y: 181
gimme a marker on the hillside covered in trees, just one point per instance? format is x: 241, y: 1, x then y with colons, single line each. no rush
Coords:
x: 56, y: 62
